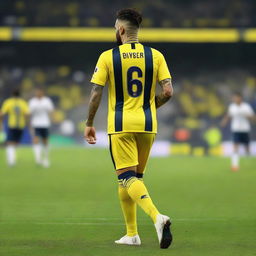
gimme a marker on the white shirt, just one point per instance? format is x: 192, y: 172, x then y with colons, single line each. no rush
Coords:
x: 40, y: 109
x: 240, y: 117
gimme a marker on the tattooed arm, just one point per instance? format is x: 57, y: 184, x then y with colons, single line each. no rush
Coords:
x: 94, y: 103
x: 89, y: 132
x: 166, y: 93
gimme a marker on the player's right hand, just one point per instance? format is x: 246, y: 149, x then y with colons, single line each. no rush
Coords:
x: 90, y: 134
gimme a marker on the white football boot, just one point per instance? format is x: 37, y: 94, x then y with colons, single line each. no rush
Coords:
x: 129, y: 240
x: 164, y: 234
x: 46, y: 163
x: 39, y: 162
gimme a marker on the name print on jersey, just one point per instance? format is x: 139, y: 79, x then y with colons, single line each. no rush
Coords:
x: 135, y: 55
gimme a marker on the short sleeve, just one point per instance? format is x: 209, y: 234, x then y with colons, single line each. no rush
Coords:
x: 100, y: 75
x: 163, y: 71
x: 5, y: 107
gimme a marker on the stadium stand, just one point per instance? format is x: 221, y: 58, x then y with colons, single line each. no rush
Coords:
x: 198, y: 105
x: 161, y: 13
x: 201, y: 96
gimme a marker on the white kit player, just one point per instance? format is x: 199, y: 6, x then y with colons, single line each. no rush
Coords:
x: 240, y: 113
x: 41, y: 108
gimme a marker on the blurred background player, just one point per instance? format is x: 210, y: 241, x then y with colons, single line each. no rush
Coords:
x: 40, y: 108
x: 132, y: 71
x: 16, y: 110
x: 240, y: 113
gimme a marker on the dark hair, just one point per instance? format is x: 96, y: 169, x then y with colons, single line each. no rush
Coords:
x: 238, y: 94
x: 40, y: 88
x: 16, y: 93
x: 131, y: 15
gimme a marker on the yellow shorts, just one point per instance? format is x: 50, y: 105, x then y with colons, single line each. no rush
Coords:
x: 131, y: 149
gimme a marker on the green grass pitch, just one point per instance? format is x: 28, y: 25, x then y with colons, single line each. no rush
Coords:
x: 72, y: 208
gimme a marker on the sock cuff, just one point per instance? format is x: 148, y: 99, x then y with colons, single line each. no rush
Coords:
x: 127, y: 174
x: 127, y: 178
x: 139, y: 175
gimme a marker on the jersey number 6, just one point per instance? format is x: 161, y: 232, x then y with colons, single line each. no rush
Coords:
x: 131, y: 83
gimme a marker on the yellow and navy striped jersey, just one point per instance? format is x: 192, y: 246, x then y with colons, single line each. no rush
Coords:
x: 131, y: 71
x: 16, y: 109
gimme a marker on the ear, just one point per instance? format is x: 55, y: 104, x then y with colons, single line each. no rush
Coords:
x: 121, y: 30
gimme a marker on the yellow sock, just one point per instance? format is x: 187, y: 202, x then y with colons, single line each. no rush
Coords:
x: 139, y: 194
x: 129, y: 210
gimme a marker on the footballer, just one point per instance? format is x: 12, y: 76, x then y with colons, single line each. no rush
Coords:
x: 16, y: 110
x: 41, y: 108
x: 131, y: 71
x: 240, y: 113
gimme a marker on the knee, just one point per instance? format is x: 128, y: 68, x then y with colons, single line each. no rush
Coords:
x: 45, y: 141
x: 35, y: 140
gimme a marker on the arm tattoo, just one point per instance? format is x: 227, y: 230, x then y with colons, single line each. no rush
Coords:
x: 94, y: 103
x: 166, y: 93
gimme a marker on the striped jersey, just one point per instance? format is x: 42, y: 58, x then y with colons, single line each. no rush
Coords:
x: 131, y: 72
x: 17, y: 110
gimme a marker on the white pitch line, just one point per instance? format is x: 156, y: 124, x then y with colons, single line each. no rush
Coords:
x: 119, y: 224
x: 89, y: 218
x: 203, y: 219
x: 144, y: 219
x: 81, y: 223
x: 107, y: 223
x: 68, y: 223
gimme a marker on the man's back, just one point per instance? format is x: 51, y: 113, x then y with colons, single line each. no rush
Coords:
x: 16, y: 108
x: 132, y: 71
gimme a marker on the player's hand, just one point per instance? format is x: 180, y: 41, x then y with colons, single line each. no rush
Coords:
x: 224, y: 121
x: 90, y: 134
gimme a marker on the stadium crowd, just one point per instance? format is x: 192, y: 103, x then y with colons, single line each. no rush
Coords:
x: 199, y: 104
x: 161, y: 13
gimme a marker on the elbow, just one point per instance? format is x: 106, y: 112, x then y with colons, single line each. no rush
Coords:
x: 168, y: 93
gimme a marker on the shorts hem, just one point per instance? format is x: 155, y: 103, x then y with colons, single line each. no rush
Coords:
x: 126, y: 165
x: 110, y: 133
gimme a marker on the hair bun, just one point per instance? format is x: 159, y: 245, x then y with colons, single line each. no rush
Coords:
x: 139, y: 19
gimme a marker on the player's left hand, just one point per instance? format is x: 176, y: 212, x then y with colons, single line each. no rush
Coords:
x: 90, y: 134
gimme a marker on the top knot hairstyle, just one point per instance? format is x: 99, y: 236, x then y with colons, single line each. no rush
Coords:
x: 130, y: 15
x: 16, y: 93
